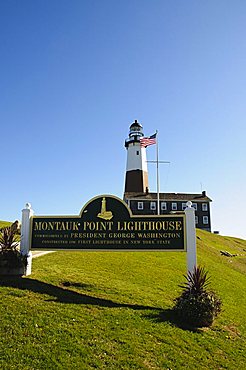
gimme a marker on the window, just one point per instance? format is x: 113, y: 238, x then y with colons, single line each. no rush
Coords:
x: 196, y: 219
x: 163, y: 206
x: 194, y: 205
x: 204, y: 207
x: 140, y: 205
x: 137, y: 152
x: 205, y: 220
x: 183, y: 206
x: 174, y: 206
x: 152, y: 206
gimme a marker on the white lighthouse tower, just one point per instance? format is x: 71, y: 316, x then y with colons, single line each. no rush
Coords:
x: 136, y: 167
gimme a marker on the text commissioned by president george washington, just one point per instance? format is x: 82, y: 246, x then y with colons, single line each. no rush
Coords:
x: 106, y: 223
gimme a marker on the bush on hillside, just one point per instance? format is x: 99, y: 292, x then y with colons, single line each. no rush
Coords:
x: 196, y: 305
x: 10, y: 256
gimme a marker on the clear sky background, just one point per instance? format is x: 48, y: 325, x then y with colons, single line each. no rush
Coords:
x: 74, y: 74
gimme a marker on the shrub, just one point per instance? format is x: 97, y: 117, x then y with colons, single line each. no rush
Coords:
x: 196, y: 305
x: 10, y: 256
x: 8, y: 240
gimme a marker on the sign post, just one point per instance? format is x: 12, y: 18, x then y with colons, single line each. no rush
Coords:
x: 191, y: 236
x: 25, y: 246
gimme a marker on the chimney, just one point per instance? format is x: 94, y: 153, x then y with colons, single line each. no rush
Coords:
x: 204, y: 193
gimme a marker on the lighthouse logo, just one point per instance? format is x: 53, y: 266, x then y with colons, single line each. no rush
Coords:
x: 104, y: 214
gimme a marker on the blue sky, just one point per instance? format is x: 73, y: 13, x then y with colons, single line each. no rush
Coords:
x: 74, y: 74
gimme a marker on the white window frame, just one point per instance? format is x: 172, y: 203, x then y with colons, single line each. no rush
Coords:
x: 204, y: 207
x: 153, y: 206
x: 194, y: 205
x: 196, y: 219
x: 163, y: 206
x: 183, y: 206
x: 140, y: 206
x: 174, y: 206
x: 205, y: 220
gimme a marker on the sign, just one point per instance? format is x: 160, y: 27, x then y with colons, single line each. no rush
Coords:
x: 106, y: 223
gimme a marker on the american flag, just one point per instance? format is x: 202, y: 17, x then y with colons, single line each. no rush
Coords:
x: 146, y: 141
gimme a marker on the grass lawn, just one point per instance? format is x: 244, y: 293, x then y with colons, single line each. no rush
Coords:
x: 4, y: 224
x: 112, y: 310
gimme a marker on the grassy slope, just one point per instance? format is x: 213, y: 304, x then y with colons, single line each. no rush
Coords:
x: 87, y: 310
x: 4, y: 224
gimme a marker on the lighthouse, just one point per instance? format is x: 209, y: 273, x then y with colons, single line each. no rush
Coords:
x: 136, y: 179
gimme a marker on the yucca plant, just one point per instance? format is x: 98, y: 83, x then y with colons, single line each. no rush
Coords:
x: 196, y: 281
x: 10, y: 256
x: 196, y: 305
x: 8, y: 240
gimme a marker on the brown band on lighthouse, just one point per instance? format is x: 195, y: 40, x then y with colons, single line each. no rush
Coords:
x: 136, y: 181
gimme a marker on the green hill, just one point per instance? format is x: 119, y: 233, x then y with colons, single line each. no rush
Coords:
x: 112, y: 310
x: 4, y: 224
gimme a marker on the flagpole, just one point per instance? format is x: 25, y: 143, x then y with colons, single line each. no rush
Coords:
x: 157, y: 166
x: 157, y: 175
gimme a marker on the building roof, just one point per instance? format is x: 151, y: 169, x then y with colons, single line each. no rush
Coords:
x: 169, y: 196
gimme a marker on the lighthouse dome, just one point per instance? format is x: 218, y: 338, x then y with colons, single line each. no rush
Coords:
x: 136, y: 124
x: 136, y: 129
x: 135, y: 133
